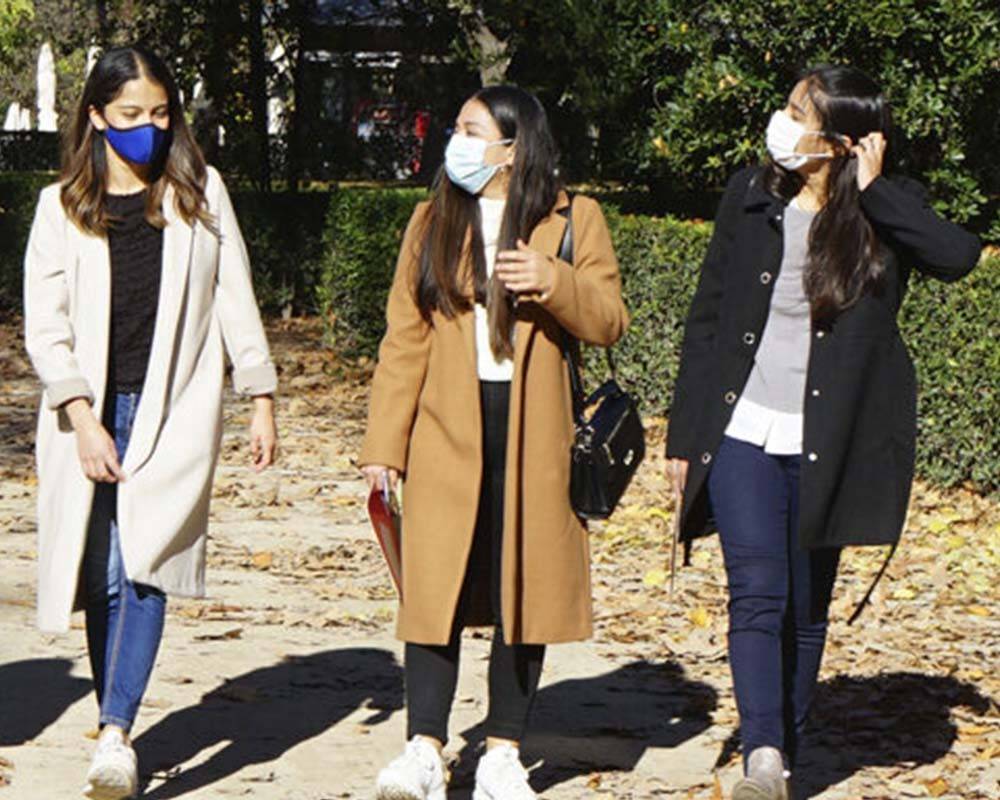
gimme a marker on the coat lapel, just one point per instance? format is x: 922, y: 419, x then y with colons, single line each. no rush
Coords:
x: 94, y: 285
x: 178, y: 238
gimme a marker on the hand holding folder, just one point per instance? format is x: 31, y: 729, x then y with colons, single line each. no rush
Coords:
x: 383, y: 510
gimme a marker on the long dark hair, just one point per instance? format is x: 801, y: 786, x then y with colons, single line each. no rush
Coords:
x: 845, y: 255
x: 454, y: 213
x: 84, y: 175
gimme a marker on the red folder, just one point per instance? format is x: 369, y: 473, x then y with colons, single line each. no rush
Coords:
x: 383, y: 509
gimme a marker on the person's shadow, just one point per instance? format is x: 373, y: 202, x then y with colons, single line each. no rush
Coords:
x: 265, y: 713
x: 884, y: 720
x: 34, y: 694
x: 606, y: 722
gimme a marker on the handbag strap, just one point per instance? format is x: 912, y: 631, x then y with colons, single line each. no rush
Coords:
x: 570, y: 343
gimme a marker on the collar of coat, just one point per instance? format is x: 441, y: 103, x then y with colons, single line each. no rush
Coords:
x: 758, y: 198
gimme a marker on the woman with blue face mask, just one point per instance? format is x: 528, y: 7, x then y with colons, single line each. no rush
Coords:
x: 471, y: 403
x: 137, y: 285
x: 793, y: 424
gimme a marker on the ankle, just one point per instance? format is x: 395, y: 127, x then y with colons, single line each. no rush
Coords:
x: 437, y: 744
x: 492, y: 743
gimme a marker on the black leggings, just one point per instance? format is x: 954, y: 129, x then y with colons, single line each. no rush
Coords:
x: 432, y: 670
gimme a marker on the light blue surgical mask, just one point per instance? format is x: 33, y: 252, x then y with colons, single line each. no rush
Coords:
x: 463, y: 161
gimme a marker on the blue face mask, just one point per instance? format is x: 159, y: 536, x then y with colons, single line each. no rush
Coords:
x: 141, y: 144
x: 463, y: 161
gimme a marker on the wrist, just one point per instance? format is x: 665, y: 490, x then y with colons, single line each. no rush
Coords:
x: 80, y: 414
x: 263, y: 402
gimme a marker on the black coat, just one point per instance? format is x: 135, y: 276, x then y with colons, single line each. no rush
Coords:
x: 859, y: 432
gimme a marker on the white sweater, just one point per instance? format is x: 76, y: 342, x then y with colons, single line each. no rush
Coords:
x: 488, y: 367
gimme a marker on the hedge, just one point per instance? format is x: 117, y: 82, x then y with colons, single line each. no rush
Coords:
x: 334, y: 252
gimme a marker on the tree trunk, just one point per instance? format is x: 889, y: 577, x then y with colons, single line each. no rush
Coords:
x: 494, y: 58
x: 258, y: 93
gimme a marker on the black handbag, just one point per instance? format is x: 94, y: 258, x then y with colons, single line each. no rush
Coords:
x: 609, y: 442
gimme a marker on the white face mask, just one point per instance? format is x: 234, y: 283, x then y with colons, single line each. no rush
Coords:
x: 463, y: 161
x: 783, y: 135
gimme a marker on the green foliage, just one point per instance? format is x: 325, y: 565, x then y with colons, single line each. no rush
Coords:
x: 951, y: 333
x: 723, y: 67
x: 18, y: 196
x: 284, y: 234
x: 675, y: 95
x: 362, y: 236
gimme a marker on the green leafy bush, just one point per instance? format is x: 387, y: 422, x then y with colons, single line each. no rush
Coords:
x: 363, y: 231
x: 18, y: 195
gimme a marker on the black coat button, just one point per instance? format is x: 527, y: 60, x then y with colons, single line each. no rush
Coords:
x: 765, y: 278
x: 730, y: 397
x: 749, y: 338
x: 706, y: 458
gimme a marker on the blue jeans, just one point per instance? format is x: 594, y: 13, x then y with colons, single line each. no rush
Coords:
x: 779, y: 594
x: 124, y: 619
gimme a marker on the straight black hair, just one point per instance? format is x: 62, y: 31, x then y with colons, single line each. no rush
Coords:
x: 533, y: 190
x: 845, y: 256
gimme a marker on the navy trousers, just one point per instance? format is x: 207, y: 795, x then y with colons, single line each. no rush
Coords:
x: 779, y: 594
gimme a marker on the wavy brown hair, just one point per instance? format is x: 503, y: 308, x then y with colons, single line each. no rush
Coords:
x: 84, y: 176
x: 846, y: 258
x: 454, y: 213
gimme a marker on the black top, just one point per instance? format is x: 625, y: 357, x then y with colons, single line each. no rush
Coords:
x: 859, y: 432
x: 136, y: 249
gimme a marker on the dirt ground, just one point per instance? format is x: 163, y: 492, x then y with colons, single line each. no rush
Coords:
x: 286, y: 682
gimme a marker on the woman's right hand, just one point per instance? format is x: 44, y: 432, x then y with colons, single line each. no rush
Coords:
x: 375, y: 475
x: 95, y: 446
x: 677, y: 472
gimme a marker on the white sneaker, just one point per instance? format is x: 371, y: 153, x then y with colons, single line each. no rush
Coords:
x: 766, y: 778
x: 114, y: 773
x: 501, y: 776
x: 417, y: 774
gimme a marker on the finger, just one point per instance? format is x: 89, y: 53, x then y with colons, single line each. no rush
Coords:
x: 513, y: 255
x: 522, y: 246
x: 267, y: 452
x: 255, y: 445
x: 114, y: 468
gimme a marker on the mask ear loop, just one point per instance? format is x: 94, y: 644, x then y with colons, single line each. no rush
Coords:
x: 840, y: 139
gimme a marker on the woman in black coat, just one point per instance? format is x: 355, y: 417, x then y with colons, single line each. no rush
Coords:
x: 793, y: 423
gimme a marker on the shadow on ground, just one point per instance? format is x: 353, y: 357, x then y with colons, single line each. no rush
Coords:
x: 265, y: 713
x: 879, y: 721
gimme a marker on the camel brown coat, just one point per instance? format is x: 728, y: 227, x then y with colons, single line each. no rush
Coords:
x: 424, y: 420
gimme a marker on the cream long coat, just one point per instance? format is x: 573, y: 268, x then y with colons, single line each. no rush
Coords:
x: 206, y: 307
x: 424, y: 419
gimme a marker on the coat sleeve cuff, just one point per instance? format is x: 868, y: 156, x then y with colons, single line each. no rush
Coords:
x: 559, y: 298
x: 252, y: 381
x: 61, y: 392
x: 383, y: 457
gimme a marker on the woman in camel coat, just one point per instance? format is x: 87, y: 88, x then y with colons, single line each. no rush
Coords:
x: 457, y: 409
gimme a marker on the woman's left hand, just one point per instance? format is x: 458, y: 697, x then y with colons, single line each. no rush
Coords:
x: 524, y: 270
x: 263, y: 433
x: 870, y: 152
